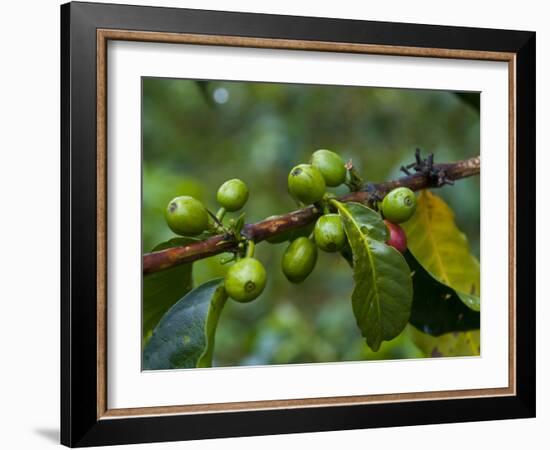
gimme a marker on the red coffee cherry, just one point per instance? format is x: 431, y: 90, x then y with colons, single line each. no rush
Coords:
x: 398, y: 238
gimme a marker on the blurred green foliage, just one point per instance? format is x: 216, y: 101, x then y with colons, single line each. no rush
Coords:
x: 196, y: 135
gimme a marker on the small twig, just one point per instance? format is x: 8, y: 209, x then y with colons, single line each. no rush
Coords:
x: 428, y: 168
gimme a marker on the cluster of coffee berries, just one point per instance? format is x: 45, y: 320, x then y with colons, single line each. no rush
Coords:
x: 245, y: 279
x: 307, y: 183
x: 187, y: 216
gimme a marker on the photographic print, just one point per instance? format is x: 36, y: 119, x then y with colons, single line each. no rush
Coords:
x: 294, y: 223
x: 291, y: 207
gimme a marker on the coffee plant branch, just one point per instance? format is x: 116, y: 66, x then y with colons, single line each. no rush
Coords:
x: 436, y: 176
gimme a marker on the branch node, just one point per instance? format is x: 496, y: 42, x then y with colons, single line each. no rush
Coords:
x: 405, y: 170
x: 436, y: 176
x: 375, y: 195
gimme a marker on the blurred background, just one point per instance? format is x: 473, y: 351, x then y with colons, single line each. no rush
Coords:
x: 197, y: 134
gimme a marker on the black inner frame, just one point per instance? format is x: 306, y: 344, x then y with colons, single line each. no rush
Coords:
x: 79, y: 424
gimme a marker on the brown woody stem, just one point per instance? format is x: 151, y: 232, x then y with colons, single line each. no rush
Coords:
x: 257, y: 232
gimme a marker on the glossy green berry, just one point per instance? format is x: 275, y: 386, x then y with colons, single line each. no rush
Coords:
x: 331, y: 165
x: 232, y: 195
x: 305, y: 183
x: 186, y: 216
x: 299, y: 259
x: 329, y: 233
x: 245, y: 280
x: 399, y: 205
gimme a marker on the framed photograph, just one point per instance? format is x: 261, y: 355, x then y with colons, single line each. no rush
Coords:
x: 276, y: 224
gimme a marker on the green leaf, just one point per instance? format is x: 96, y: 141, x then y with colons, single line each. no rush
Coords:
x: 436, y: 308
x: 450, y: 344
x: 162, y: 289
x: 368, y: 221
x: 184, y: 338
x: 382, y: 295
x: 470, y: 300
x: 442, y: 249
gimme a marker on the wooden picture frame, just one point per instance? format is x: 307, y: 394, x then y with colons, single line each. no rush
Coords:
x: 86, y: 418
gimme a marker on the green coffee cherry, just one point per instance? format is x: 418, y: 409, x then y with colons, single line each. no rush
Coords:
x: 305, y: 183
x: 299, y: 259
x: 186, y: 216
x: 329, y: 233
x: 331, y: 165
x: 232, y: 195
x: 245, y: 280
x: 399, y: 205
